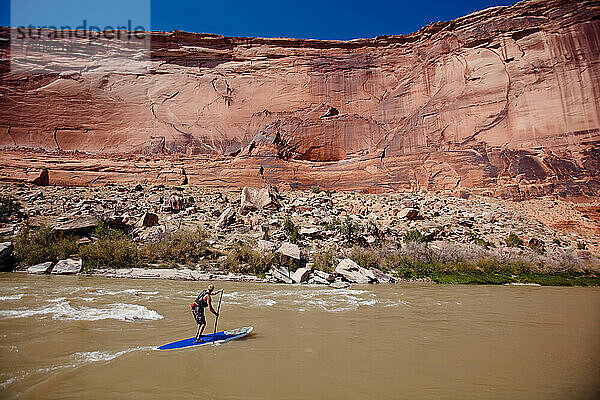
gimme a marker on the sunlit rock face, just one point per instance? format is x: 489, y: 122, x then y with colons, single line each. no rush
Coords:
x: 504, y: 102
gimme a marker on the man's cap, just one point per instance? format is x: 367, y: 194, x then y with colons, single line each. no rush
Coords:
x: 211, y: 288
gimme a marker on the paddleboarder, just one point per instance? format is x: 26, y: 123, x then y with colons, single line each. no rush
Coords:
x: 202, y: 301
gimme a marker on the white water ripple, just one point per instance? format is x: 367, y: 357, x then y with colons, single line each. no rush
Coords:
x: 303, y: 299
x: 86, y: 357
x: 62, y: 310
x: 12, y: 297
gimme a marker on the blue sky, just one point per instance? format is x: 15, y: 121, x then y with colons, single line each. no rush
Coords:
x: 323, y: 19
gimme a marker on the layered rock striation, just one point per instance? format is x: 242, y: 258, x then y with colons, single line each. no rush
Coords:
x: 503, y: 102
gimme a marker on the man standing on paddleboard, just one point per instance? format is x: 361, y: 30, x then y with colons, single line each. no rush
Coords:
x: 202, y: 301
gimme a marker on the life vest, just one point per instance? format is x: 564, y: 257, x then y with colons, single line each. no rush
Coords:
x: 200, y: 302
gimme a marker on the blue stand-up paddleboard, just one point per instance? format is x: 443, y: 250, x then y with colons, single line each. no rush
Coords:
x: 219, y: 337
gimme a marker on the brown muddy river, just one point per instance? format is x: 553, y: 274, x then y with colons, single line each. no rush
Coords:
x: 94, y: 338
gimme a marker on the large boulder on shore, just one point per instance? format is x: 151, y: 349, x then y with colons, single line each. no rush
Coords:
x: 257, y: 199
x: 6, y: 256
x: 69, y: 266
x: 324, y: 275
x: 281, y: 274
x: 382, y: 277
x: 6, y: 249
x: 301, y: 275
x: 353, y: 272
x: 289, y: 249
x: 43, y: 268
x: 79, y: 226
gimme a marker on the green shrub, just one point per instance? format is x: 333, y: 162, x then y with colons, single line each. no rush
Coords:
x: 365, y: 258
x: 482, y: 242
x: 350, y: 230
x: 410, y: 268
x: 36, y: 245
x: 333, y: 225
x: 315, y: 189
x: 181, y: 246
x: 9, y: 207
x: 557, y: 241
x: 413, y: 236
x: 243, y: 259
x: 111, y: 249
x: 494, y: 266
x: 537, y: 245
x: 513, y: 240
x: 291, y: 230
x: 265, y: 231
x: 581, y: 245
x: 324, y: 260
x: 470, y: 277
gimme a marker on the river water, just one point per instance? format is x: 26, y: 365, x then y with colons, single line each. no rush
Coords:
x: 94, y: 338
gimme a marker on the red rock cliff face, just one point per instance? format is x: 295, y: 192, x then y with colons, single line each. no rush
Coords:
x: 504, y: 102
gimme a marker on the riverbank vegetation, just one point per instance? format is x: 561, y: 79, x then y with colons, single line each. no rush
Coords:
x: 414, y: 257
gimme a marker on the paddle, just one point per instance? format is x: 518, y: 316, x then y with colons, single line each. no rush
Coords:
x: 218, y: 312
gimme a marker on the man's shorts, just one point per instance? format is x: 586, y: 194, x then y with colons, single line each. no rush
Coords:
x: 198, y: 314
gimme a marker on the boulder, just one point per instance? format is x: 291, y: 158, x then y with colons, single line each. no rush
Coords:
x: 68, y: 267
x: 382, y: 277
x: 289, y: 249
x: 79, y: 226
x: 409, y: 213
x: 42, y: 179
x: 301, y: 275
x: 7, y: 260
x: 43, y: 268
x: 6, y: 249
x: 281, y: 274
x: 318, y: 280
x: 324, y: 275
x: 266, y: 245
x: 310, y: 232
x: 353, y: 272
x: 257, y: 199
x: 153, y: 234
x: 83, y: 240
x: 148, y: 219
x: 122, y: 222
x: 226, y: 218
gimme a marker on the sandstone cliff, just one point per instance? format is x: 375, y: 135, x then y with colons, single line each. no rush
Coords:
x: 505, y: 102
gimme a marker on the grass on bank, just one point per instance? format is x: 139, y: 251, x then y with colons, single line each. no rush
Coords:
x: 35, y: 245
x: 420, y: 262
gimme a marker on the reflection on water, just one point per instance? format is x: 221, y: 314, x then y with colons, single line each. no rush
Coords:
x: 82, y: 337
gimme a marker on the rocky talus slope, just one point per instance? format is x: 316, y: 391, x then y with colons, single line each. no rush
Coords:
x: 502, y: 102
x: 456, y: 229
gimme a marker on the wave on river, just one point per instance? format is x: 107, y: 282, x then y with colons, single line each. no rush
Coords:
x: 61, y: 309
